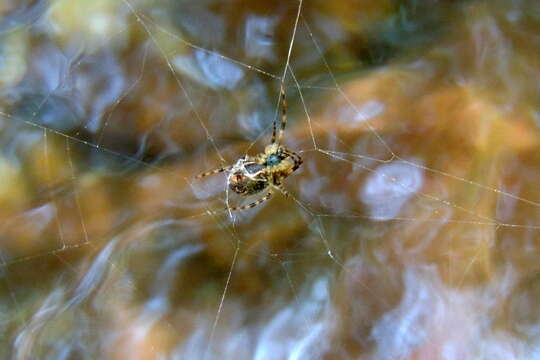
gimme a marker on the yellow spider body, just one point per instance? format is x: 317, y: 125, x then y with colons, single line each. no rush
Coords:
x: 253, y: 174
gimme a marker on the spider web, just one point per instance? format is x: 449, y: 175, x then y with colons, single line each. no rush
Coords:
x: 307, y: 245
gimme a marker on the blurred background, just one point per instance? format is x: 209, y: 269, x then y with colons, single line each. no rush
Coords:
x: 412, y: 230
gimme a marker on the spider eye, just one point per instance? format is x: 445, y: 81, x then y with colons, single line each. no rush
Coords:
x: 273, y: 159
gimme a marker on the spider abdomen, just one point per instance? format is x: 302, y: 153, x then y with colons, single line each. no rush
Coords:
x: 245, y: 185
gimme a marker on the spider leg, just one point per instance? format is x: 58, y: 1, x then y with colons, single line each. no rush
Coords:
x: 253, y: 204
x: 283, y: 115
x: 283, y: 101
x: 212, y: 172
x: 296, y: 158
x: 297, y: 161
x: 281, y: 188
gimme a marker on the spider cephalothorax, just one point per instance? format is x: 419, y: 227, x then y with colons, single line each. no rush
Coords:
x: 252, y: 174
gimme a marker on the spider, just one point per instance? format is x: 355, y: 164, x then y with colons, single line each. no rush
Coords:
x: 267, y: 170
